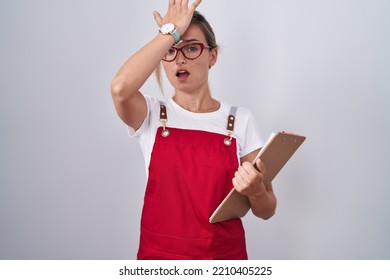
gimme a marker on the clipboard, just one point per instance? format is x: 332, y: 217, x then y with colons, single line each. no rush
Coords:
x: 275, y: 153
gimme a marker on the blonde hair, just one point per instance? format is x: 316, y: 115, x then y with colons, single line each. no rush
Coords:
x: 199, y: 20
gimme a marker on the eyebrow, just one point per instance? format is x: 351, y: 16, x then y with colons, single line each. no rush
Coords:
x: 190, y: 40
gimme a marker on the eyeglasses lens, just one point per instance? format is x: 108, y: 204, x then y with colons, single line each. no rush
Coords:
x: 190, y: 51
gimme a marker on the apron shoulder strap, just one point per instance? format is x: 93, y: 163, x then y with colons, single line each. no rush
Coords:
x: 231, y: 119
x: 163, y: 112
x: 230, y: 125
x: 164, y: 119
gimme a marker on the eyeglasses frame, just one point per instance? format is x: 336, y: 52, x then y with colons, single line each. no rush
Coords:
x: 202, y: 47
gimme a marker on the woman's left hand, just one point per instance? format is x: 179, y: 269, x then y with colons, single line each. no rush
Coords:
x: 249, y: 181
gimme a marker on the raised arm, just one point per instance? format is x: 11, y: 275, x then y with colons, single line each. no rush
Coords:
x: 129, y: 103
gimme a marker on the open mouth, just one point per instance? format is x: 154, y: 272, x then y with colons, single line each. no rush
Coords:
x: 182, y: 74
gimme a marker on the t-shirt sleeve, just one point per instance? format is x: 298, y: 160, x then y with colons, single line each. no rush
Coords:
x: 150, y: 102
x: 252, y: 137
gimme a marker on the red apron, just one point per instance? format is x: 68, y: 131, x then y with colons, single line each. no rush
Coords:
x: 190, y: 173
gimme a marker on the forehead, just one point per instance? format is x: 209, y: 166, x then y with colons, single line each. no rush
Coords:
x: 194, y: 33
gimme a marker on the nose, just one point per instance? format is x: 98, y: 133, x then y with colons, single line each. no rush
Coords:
x: 180, y: 58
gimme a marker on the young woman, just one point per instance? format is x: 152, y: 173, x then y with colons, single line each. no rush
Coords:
x: 193, y: 144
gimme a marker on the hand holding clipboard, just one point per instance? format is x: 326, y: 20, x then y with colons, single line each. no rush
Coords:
x: 277, y: 150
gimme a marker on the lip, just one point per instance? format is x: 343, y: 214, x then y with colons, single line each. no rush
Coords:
x: 182, y: 74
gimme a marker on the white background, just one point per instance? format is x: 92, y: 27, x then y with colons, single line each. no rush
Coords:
x: 72, y: 182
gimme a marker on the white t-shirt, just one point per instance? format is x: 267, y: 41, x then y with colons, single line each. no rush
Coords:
x: 246, y: 131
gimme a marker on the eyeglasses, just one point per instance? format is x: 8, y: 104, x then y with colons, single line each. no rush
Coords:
x: 190, y: 51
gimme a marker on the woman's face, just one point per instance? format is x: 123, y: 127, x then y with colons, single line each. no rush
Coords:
x: 191, y: 75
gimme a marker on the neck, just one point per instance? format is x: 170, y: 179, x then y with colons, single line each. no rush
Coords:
x: 197, y: 103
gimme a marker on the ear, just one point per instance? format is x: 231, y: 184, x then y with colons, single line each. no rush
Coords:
x: 213, y: 57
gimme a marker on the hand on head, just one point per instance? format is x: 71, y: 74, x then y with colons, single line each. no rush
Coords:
x: 179, y: 13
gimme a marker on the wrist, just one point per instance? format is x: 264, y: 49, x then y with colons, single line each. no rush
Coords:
x: 259, y: 195
x: 171, y: 29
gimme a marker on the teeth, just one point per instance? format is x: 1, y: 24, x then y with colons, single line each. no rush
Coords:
x: 180, y: 72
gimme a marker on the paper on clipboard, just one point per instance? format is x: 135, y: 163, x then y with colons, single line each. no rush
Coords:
x: 275, y: 153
